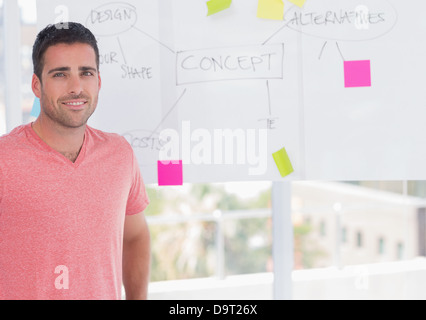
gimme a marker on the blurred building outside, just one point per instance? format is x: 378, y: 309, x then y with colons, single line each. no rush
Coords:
x: 368, y: 245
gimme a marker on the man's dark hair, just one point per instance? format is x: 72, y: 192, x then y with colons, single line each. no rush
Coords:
x: 63, y: 33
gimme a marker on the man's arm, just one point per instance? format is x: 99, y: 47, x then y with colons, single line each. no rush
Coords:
x: 136, y: 257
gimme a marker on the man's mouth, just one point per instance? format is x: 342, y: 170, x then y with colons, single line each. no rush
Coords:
x: 75, y: 104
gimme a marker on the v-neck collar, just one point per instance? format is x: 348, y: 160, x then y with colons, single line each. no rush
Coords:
x: 34, y: 137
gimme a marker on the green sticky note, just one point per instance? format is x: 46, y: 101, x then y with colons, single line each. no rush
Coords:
x: 271, y: 9
x: 299, y: 3
x: 216, y: 6
x: 283, y: 162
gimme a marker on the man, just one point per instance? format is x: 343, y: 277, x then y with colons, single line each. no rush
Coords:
x: 71, y: 197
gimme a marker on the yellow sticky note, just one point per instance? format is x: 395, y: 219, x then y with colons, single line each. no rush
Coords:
x: 271, y: 9
x: 283, y: 162
x: 216, y: 6
x: 299, y: 3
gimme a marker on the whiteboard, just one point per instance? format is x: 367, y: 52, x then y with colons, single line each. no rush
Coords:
x: 222, y: 93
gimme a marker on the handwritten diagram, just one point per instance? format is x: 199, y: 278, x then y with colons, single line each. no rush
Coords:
x: 202, y: 71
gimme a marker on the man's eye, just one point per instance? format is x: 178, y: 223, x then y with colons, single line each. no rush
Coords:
x: 58, y: 75
x: 87, y: 74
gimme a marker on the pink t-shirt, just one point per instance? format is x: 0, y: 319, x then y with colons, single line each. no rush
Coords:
x: 61, y: 223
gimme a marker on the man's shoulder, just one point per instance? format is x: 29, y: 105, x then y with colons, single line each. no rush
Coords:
x: 108, y: 139
x: 13, y: 146
x: 12, y: 139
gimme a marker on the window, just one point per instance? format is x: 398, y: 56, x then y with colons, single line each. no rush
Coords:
x: 208, y: 230
x: 29, y: 33
x: 2, y: 76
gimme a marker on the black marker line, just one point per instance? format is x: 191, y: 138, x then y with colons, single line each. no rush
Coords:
x: 279, y: 30
x: 322, y: 50
x: 156, y: 40
x: 276, y: 32
x: 338, y: 48
x: 281, y: 77
x: 168, y: 113
x: 122, y: 52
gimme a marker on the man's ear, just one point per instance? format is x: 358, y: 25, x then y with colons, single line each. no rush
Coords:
x: 36, y: 86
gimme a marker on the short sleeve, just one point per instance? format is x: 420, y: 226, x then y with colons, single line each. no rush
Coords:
x: 138, y: 199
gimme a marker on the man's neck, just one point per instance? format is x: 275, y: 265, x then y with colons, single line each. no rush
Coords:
x: 67, y: 141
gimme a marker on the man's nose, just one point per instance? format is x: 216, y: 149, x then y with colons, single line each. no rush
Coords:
x: 75, y: 85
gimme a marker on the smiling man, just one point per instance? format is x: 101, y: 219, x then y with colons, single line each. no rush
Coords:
x: 68, y: 88
x: 71, y: 197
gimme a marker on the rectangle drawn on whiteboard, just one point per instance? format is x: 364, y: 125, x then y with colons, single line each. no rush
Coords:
x: 232, y: 63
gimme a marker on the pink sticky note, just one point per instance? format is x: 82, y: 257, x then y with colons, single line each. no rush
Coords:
x: 170, y: 173
x: 357, y: 74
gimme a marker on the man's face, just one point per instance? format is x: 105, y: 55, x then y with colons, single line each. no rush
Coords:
x: 70, y: 84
